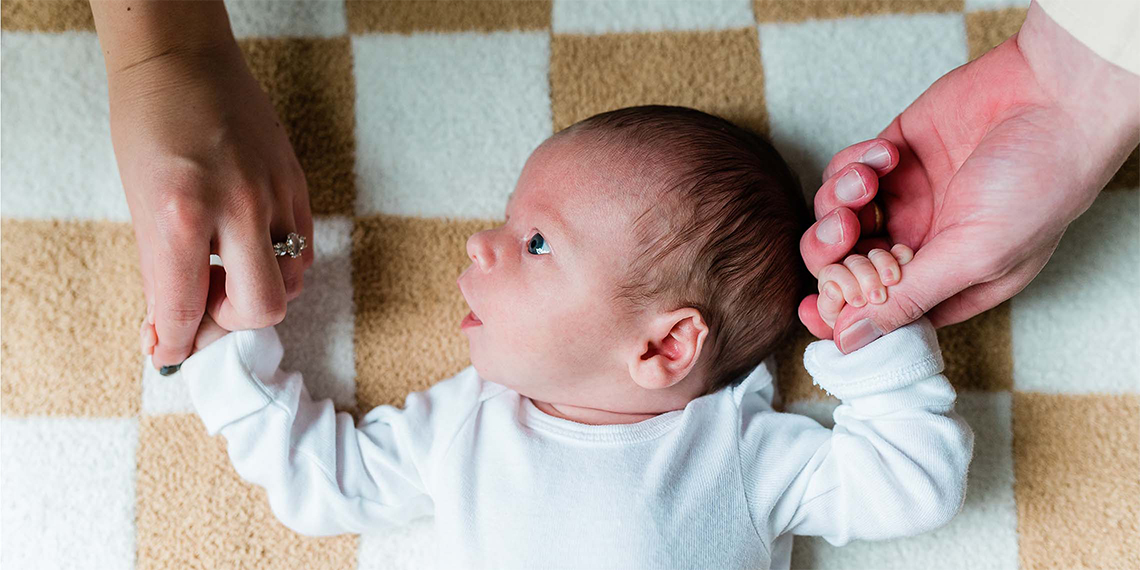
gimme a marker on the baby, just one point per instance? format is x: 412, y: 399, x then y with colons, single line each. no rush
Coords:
x: 617, y: 412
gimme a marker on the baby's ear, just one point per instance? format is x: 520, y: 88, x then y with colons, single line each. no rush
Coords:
x: 669, y: 350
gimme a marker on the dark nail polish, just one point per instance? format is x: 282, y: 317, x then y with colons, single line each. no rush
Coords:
x: 168, y: 370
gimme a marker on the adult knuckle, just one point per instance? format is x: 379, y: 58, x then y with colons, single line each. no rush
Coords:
x: 182, y: 317
x: 267, y: 312
x: 910, y: 309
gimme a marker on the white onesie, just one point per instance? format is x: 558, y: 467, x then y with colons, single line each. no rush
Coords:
x: 723, y: 483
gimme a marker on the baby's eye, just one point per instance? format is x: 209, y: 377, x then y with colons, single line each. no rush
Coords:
x: 537, y: 244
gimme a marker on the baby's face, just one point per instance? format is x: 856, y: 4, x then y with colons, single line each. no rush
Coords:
x: 541, y: 283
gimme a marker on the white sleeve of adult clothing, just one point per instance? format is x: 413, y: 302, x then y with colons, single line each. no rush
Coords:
x: 895, y: 463
x: 1111, y: 28
x: 323, y: 474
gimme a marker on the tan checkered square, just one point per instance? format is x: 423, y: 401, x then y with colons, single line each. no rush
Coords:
x: 309, y: 81
x: 1076, y: 460
x: 408, y: 306
x: 801, y: 10
x: 46, y: 16
x: 716, y: 72
x: 988, y: 28
x: 410, y: 16
x: 73, y: 302
x: 1128, y: 177
x: 978, y: 352
x: 194, y: 511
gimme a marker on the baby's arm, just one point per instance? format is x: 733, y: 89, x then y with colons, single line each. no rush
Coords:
x: 323, y: 474
x: 894, y: 464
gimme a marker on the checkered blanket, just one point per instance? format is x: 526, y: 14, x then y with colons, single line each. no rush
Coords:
x: 412, y: 120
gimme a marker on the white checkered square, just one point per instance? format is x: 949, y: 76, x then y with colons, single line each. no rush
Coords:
x: 410, y: 547
x: 445, y: 122
x: 69, y: 492
x: 286, y: 18
x: 58, y: 161
x: 831, y: 83
x: 1075, y: 326
x: 599, y: 17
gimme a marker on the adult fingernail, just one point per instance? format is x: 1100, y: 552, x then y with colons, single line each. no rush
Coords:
x: 850, y: 187
x: 168, y: 370
x: 858, y: 335
x: 830, y: 230
x: 876, y: 157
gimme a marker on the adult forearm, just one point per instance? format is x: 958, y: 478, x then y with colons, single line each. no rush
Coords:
x: 135, y: 32
x: 1100, y: 98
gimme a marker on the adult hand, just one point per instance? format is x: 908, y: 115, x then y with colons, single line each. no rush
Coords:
x: 984, y: 171
x: 207, y: 168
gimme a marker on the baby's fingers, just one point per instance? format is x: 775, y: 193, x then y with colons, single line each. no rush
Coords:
x: 868, y: 278
x: 829, y: 302
x: 886, y: 265
x: 903, y: 253
x: 839, y: 274
x: 147, y: 337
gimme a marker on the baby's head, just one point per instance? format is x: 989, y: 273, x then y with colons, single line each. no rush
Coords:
x: 650, y: 255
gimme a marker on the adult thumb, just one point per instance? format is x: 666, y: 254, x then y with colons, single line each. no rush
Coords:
x: 936, y: 273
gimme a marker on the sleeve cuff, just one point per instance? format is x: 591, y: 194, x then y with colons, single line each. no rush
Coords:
x: 227, y: 379
x: 897, y: 359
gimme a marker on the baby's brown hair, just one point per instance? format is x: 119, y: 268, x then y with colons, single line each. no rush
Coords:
x: 722, y: 238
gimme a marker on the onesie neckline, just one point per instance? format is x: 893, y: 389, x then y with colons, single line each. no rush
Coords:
x: 644, y: 430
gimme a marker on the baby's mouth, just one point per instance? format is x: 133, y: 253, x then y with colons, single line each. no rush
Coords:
x: 470, y: 321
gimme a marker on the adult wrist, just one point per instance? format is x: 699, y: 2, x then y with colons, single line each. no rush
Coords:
x: 137, y: 32
x: 1098, y: 96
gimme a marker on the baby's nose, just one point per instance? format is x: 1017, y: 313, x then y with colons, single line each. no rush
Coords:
x: 480, y: 251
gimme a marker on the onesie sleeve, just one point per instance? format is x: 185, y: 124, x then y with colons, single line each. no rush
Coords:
x: 1110, y: 28
x: 323, y: 474
x: 895, y: 463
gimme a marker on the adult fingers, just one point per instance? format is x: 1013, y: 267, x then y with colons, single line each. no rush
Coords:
x: 181, y: 281
x: 303, y: 215
x: 880, y: 154
x: 829, y: 240
x: 292, y: 213
x: 809, y: 316
x: 853, y: 186
x: 939, y: 269
x: 255, y: 290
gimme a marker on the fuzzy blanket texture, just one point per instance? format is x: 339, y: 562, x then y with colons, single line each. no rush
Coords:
x: 412, y: 120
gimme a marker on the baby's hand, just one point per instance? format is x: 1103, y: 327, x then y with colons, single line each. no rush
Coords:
x: 208, y: 332
x: 858, y: 279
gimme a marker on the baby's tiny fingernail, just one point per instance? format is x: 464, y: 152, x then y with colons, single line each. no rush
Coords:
x: 832, y: 291
x: 858, y: 301
x: 878, y: 296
